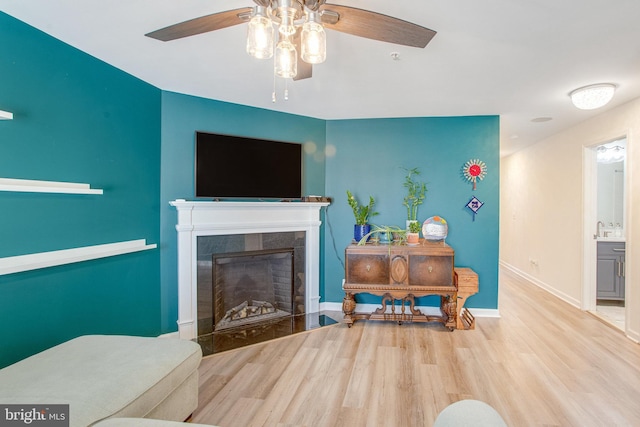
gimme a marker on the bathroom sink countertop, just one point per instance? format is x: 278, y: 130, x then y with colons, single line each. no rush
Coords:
x: 611, y: 239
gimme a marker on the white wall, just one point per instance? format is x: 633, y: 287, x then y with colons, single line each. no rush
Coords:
x: 541, y: 212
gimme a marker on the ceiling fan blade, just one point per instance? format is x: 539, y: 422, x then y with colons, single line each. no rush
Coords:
x: 305, y: 70
x: 377, y: 26
x: 204, y: 24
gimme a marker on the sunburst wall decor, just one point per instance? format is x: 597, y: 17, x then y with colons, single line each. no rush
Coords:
x: 474, y: 170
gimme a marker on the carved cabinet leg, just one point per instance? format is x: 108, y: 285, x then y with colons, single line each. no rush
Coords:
x: 348, y: 308
x: 448, y: 305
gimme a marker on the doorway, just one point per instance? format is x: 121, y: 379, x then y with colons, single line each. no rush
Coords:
x: 605, y: 189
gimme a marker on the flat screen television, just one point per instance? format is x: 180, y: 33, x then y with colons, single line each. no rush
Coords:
x: 238, y: 167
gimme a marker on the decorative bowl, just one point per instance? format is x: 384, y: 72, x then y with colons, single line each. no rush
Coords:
x: 435, y: 228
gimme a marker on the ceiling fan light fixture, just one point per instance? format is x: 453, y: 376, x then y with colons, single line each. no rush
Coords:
x: 288, y: 17
x: 260, y: 34
x: 592, y: 96
x: 286, y: 59
x: 313, y: 40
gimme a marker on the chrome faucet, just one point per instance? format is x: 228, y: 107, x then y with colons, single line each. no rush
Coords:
x: 600, y: 223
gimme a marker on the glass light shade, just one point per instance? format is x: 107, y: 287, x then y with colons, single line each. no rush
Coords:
x: 610, y: 154
x: 287, y: 18
x: 260, y: 37
x: 593, y: 96
x: 314, y: 43
x: 286, y: 59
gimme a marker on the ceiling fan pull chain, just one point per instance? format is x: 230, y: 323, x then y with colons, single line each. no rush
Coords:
x: 286, y: 89
x: 273, y: 94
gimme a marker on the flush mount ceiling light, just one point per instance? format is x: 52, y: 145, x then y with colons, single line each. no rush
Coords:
x: 592, y: 96
x: 300, y: 40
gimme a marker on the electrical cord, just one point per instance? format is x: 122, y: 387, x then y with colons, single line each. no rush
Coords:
x: 333, y: 239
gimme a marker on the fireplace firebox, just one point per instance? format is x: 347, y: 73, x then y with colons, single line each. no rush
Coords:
x: 245, y: 279
x: 252, y: 287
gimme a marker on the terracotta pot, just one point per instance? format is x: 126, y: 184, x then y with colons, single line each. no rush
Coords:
x: 413, y: 238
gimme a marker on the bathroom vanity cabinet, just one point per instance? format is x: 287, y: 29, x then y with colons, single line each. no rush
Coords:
x: 610, y: 281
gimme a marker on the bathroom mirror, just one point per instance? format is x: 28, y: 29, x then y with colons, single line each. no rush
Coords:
x: 611, y: 165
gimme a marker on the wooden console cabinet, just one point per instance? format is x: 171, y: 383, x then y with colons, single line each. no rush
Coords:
x: 403, y: 273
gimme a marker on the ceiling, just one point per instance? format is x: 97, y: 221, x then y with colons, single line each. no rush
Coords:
x: 516, y: 59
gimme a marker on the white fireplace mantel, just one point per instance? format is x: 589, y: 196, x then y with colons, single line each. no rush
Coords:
x: 200, y: 218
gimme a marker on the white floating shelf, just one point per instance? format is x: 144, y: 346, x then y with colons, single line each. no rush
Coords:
x: 31, y: 186
x: 16, y: 264
x: 5, y: 115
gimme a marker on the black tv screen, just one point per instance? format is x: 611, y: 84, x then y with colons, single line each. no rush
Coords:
x: 238, y: 167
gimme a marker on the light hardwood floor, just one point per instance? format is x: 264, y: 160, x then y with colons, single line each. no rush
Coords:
x: 543, y: 362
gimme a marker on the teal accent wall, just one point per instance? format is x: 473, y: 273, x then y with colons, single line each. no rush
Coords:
x: 182, y: 116
x: 369, y: 159
x: 76, y: 119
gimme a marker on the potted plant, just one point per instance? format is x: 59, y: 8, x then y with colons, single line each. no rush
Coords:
x: 416, y: 191
x: 413, y: 236
x: 386, y: 234
x: 362, y: 213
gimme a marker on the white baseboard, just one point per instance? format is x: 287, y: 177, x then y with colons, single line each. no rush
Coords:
x: 485, y: 312
x: 633, y: 336
x: 330, y: 306
x: 428, y: 310
x: 539, y: 283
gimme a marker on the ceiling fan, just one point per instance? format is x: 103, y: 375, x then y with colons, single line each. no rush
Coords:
x: 300, y: 39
